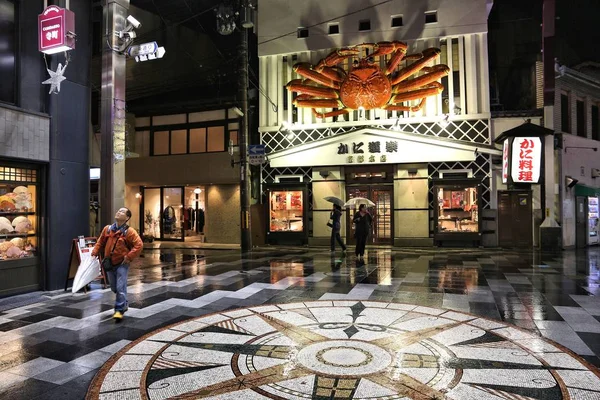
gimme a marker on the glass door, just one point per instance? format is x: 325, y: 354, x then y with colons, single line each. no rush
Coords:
x: 352, y: 193
x: 172, y: 213
x: 382, y: 213
x: 151, y: 212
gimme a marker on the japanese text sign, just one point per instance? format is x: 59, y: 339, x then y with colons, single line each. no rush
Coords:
x: 526, y: 159
x: 374, y: 148
x: 56, y: 28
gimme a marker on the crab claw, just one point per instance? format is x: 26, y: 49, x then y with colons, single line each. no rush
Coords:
x: 336, y: 57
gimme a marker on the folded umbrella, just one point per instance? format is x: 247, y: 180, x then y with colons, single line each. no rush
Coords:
x: 88, y: 270
x: 353, y: 203
x: 334, y: 200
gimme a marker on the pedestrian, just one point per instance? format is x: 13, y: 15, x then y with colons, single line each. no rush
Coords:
x: 121, y: 245
x: 362, y: 226
x: 335, y: 216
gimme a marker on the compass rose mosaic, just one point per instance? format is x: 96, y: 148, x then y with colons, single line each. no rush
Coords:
x: 344, y: 350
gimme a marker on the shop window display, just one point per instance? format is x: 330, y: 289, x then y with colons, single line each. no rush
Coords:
x: 457, y: 210
x: 286, y: 211
x: 18, y: 218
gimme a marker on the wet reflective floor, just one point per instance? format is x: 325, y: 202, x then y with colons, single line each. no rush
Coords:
x: 52, y: 349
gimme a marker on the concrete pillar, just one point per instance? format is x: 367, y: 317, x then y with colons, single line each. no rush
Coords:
x: 112, y: 113
x: 68, y: 190
x: 550, y: 230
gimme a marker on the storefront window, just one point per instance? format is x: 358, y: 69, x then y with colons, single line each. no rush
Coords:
x: 151, y: 213
x: 286, y: 210
x: 172, y: 213
x: 18, y: 217
x: 194, y: 213
x: 457, y: 209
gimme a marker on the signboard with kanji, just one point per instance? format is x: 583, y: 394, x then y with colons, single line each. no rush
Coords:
x: 526, y: 160
x: 505, y: 161
x: 56, y: 30
x: 369, y: 148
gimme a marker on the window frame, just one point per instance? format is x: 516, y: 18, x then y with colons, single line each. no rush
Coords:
x: 188, y: 128
x: 432, y: 13
x: 580, y: 113
x: 565, y: 117
x: 16, y: 84
x: 595, y: 121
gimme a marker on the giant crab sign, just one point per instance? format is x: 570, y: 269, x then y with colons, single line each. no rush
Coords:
x: 365, y: 85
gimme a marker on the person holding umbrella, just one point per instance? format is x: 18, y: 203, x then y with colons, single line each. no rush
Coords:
x: 362, y: 226
x: 335, y: 216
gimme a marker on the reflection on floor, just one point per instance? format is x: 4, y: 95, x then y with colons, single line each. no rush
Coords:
x: 52, y: 349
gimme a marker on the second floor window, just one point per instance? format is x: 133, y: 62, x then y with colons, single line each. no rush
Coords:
x: 8, y: 51
x: 211, y: 139
x: 565, y: 121
x: 581, y: 119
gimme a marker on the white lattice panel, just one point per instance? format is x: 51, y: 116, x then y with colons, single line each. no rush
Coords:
x: 470, y: 131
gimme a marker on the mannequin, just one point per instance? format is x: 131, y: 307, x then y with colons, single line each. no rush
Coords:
x: 94, y: 207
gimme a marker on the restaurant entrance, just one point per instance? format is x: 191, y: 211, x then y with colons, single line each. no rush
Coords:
x: 376, y: 184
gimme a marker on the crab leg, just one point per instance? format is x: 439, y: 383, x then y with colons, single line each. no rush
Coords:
x: 394, y: 61
x: 393, y: 107
x: 433, y: 89
x: 298, y: 86
x: 398, y: 49
x: 317, y: 103
x: 330, y: 113
x: 427, y: 56
x: 335, y: 74
x: 437, y: 72
x: 336, y: 57
x: 305, y: 70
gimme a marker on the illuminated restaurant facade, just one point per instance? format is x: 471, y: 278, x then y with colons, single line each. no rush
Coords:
x: 429, y: 171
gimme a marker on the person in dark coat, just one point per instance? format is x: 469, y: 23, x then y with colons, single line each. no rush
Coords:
x: 362, y: 226
x: 336, y: 223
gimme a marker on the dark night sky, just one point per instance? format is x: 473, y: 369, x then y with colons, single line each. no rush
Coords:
x: 515, y: 40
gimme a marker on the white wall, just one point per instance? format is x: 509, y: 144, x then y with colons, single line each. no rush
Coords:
x: 462, y: 26
x: 278, y: 21
x: 578, y: 164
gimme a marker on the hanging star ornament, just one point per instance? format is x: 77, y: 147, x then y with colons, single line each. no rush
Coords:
x: 55, y: 79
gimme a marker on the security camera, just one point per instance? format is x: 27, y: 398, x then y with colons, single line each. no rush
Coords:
x: 136, y: 24
x: 129, y: 35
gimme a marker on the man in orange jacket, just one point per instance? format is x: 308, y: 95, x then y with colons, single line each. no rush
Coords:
x: 122, y: 245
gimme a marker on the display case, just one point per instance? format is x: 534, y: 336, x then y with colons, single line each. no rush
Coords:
x: 456, y: 211
x: 593, y: 220
x: 20, y: 232
x: 18, y: 220
x: 286, y: 223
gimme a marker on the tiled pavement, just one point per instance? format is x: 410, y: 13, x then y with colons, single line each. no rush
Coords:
x: 53, y: 348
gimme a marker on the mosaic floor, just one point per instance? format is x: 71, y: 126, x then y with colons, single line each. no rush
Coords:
x: 52, y: 345
x: 345, y: 350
